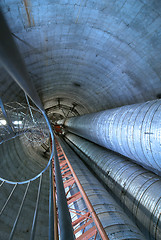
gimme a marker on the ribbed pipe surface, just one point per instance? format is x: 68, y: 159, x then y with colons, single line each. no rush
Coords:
x: 136, y: 188
x: 133, y: 131
x: 115, y: 222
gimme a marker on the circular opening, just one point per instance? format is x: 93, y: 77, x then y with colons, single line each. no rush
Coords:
x: 24, y: 137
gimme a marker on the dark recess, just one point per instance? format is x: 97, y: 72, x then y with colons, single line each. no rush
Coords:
x: 76, y: 84
x: 158, y: 95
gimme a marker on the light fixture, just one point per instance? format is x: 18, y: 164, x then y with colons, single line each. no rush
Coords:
x: 17, y: 122
x: 3, y: 122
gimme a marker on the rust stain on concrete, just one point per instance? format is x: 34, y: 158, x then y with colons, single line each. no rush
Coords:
x: 28, y: 13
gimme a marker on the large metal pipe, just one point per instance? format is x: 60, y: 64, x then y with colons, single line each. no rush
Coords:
x: 12, y: 61
x: 116, y: 223
x: 137, y: 189
x: 51, y: 205
x: 65, y: 223
x: 133, y: 131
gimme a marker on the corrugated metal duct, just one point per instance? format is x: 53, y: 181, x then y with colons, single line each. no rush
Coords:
x: 133, y: 131
x: 114, y: 220
x: 136, y: 188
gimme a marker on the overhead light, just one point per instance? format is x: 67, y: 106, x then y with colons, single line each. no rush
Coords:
x: 17, y: 122
x: 3, y: 122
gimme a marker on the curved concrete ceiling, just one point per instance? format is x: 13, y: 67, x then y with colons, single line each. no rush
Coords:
x: 99, y: 54
x: 90, y: 54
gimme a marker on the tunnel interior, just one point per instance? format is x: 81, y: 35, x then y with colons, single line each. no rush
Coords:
x: 82, y: 56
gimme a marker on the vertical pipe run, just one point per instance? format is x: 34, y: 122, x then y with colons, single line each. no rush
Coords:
x: 51, y: 208
x: 14, y: 64
x: 115, y: 222
x: 137, y: 189
x: 56, y: 234
x: 133, y: 131
x: 53, y: 220
x: 66, y: 230
x: 88, y: 203
x: 32, y: 236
